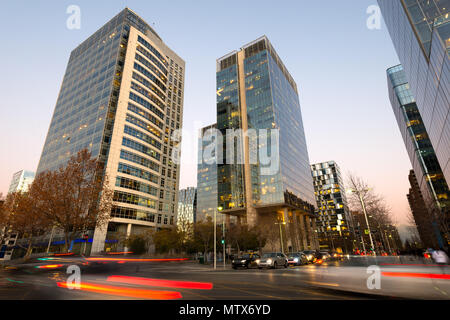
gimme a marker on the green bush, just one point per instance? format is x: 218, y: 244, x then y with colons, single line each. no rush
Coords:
x: 137, y: 245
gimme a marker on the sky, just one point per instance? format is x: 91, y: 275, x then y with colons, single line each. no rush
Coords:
x: 338, y: 63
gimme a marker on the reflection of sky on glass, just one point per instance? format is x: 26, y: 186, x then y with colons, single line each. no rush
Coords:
x: 338, y: 64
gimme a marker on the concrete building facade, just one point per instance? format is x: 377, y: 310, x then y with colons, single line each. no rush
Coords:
x: 122, y: 99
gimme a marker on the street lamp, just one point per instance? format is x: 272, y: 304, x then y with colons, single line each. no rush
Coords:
x: 358, y: 192
x: 215, y: 236
x: 281, y: 235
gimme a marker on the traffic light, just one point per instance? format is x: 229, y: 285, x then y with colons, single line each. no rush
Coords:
x: 223, y: 241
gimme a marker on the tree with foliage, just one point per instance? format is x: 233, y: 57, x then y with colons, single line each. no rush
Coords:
x: 167, y: 240
x: 73, y: 198
x: 204, y: 236
x: 27, y: 220
x: 4, y: 218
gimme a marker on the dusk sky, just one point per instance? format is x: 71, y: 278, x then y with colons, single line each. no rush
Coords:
x: 338, y: 63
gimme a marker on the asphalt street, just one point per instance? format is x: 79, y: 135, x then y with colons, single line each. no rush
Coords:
x: 127, y: 278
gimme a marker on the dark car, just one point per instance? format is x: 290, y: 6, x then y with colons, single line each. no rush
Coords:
x: 248, y: 260
x: 297, y: 259
x: 310, y: 255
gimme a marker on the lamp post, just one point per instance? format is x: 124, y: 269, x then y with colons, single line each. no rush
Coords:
x: 215, y: 236
x: 281, y: 235
x: 223, y: 240
x: 358, y: 192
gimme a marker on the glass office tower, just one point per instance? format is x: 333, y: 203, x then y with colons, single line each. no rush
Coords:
x: 423, y: 158
x: 187, y: 206
x: 420, y: 32
x: 21, y: 181
x: 207, y: 174
x: 334, y: 223
x: 122, y: 98
x: 256, y: 93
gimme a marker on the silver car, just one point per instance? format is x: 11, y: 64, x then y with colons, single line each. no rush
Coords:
x: 273, y: 260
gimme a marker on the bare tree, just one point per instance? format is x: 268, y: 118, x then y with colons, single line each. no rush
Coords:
x: 379, y: 214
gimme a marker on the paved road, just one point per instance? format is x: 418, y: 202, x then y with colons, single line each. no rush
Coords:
x: 333, y: 281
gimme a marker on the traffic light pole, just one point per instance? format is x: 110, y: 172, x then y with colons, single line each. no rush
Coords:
x: 223, y: 235
x: 215, y: 240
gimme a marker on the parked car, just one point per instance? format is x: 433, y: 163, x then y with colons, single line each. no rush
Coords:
x: 248, y: 260
x: 310, y: 255
x: 336, y: 255
x: 273, y: 260
x: 297, y: 259
x: 325, y: 255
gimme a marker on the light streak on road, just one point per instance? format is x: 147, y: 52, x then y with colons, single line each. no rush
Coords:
x: 135, y: 260
x: 161, y: 282
x: 124, y: 292
x: 416, y: 275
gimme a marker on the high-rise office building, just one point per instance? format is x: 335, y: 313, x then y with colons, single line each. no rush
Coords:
x: 207, y: 174
x: 122, y: 98
x: 187, y: 206
x: 334, y: 223
x: 422, y: 216
x: 423, y: 158
x: 420, y: 32
x: 21, y: 181
x: 257, y: 95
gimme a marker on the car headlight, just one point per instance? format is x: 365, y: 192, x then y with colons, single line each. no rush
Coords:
x: 269, y: 260
x: 310, y: 257
x: 257, y: 261
x: 296, y: 260
x: 242, y: 261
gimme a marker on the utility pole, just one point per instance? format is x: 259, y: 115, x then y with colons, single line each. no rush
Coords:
x: 362, y: 239
x: 358, y: 192
x: 281, y: 235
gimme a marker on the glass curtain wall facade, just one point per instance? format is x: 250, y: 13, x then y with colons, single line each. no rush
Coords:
x: 422, y: 216
x: 21, y: 181
x: 255, y: 91
x: 423, y: 158
x: 187, y: 206
x: 207, y: 174
x: 122, y: 98
x: 334, y: 223
x: 420, y: 32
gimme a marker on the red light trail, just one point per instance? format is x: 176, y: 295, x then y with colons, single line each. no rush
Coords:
x: 161, y: 282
